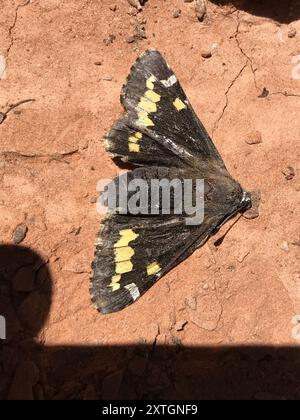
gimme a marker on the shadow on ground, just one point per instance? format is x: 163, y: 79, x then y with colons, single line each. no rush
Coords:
x: 29, y: 370
x: 282, y: 11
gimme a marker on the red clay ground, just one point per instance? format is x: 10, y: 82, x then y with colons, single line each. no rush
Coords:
x: 62, y: 54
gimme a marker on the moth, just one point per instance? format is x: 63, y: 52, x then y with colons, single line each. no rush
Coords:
x: 162, y: 137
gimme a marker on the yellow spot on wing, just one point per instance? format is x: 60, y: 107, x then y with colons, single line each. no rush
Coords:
x: 153, y: 268
x: 152, y: 96
x: 123, y: 267
x: 179, y: 105
x: 133, y: 139
x: 145, y: 120
x: 127, y: 235
x: 150, y: 82
x: 124, y: 253
x: 115, y: 283
x: 147, y: 105
x: 134, y: 148
x: 138, y: 135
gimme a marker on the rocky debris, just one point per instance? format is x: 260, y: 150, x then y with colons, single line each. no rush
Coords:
x: 284, y: 246
x: 24, y: 280
x: 136, y: 3
x: 208, y: 314
x: 206, y: 54
x: 19, y: 234
x: 179, y: 326
x: 253, y: 212
x: 25, y: 378
x: 265, y: 93
x: 111, y: 385
x: 292, y: 32
x: 201, y: 9
x: 289, y: 173
x: 176, y: 13
x: 255, y: 137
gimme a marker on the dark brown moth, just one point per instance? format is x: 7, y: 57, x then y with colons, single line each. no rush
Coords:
x: 160, y: 135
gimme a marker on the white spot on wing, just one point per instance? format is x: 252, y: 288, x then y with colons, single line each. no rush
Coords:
x: 170, y: 81
x: 133, y: 290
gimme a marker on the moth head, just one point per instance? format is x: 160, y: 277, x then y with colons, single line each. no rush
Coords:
x: 224, y: 192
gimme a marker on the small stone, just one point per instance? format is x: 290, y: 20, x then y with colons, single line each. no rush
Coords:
x: 113, y: 8
x: 24, y: 280
x: 264, y: 94
x: 135, y: 3
x: 200, y: 8
x: 206, y: 54
x: 254, y: 137
x: 205, y: 286
x: 19, y: 233
x: 177, y: 13
x: 285, y: 247
x: 289, y: 173
x: 188, y: 1
x: 179, y: 326
x: 107, y: 78
x: 253, y: 212
x: 98, y: 63
x: 292, y: 33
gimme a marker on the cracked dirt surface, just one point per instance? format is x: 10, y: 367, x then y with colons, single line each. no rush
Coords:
x: 245, y: 291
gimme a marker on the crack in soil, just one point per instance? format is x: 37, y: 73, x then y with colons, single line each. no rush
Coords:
x: 216, y: 125
x: 12, y: 27
x: 238, y: 42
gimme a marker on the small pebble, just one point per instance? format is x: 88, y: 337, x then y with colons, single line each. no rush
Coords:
x: 254, y: 137
x: 292, y: 33
x: 177, y: 13
x: 113, y: 8
x: 285, y: 246
x: 253, y: 212
x: 200, y: 8
x: 264, y: 94
x: 98, y: 63
x: 206, y: 54
x: 135, y: 3
x: 188, y: 1
x: 289, y: 173
x: 19, y: 233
